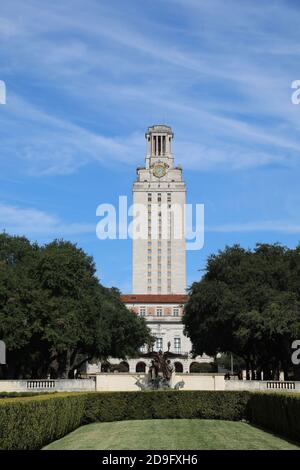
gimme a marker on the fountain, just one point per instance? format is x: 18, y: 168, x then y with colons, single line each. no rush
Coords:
x: 160, y: 371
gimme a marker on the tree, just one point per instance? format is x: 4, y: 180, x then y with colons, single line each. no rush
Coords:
x: 248, y: 304
x: 54, y: 313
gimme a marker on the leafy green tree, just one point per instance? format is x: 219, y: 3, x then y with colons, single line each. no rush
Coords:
x: 54, y: 313
x: 248, y: 304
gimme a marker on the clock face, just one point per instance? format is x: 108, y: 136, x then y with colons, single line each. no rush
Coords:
x: 159, y: 171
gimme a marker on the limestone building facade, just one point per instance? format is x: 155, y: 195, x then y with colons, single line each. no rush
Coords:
x: 158, y: 265
x: 158, y: 255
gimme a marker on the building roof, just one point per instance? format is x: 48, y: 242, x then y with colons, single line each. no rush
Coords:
x: 154, y: 298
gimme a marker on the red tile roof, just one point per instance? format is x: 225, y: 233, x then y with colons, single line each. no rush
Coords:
x: 154, y: 298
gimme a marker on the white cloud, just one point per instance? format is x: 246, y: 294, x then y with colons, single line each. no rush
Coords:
x: 31, y: 221
x: 214, y: 77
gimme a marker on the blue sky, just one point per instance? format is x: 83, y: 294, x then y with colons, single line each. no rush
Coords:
x: 86, y: 78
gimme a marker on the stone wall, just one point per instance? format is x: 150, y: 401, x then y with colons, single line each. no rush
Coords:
x: 262, y: 385
x: 105, y: 382
x: 134, y: 382
x: 77, y: 385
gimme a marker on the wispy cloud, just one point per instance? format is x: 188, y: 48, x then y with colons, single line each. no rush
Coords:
x: 214, y: 75
x: 32, y: 222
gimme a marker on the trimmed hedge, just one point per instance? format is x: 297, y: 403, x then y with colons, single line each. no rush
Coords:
x: 30, y: 423
x: 33, y: 422
x: 118, y: 406
x: 278, y: 412
x: 23, y: 394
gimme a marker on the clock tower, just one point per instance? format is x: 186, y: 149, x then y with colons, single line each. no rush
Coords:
x: 159, y: 260
x: 159, y: 285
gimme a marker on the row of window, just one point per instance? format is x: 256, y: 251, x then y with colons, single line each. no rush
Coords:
x: 159, y: 345
x: 149, y: 288
x: 149, y: 251
x: 159, y: 197
x: 159, y: 311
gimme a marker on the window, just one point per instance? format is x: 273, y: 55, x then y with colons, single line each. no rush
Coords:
x: 159, y: 344
x: 159, y: 311
x: 177, y: 345
x: 175, y: 312
x: 142, y: 311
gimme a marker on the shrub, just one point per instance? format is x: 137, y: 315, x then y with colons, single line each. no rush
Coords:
x: 117, y: 406
x: 278, y: 412
x: 23, y: 394
x: 198, y: 367
x: 31, y: 423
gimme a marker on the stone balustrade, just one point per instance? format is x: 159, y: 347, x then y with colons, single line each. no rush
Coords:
x: 133, y: 381
x: 61, y: 385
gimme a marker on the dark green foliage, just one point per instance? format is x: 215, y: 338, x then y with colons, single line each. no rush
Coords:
x: 118, y: 406
x: 23, y: 394
x: 54, y: 313
x: 224, y: 361
x: 198, y: 367
x: 277, y: 412
x: 248, y: 304
x: 31, y: 423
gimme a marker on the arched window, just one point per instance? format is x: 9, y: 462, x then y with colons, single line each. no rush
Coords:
x: 178, y: 367
x: 105, y: 367
x: 140, y: 367
x: 123, y: 366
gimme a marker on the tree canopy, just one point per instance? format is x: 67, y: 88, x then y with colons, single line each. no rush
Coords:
x: 248, y: 304
x: 54, y: 313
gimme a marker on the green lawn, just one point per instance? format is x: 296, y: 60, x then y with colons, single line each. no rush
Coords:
x: 170, y: 434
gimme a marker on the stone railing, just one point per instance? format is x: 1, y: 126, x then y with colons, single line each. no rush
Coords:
x: 262, y: 385
x: 281, y: 385
x: 40, y: 384
x: 60, y: 385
